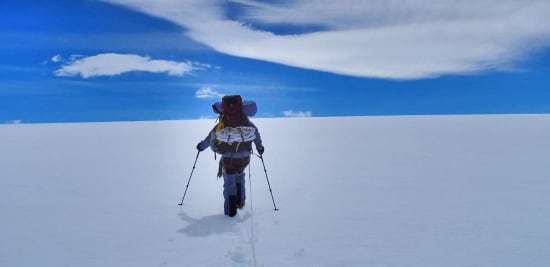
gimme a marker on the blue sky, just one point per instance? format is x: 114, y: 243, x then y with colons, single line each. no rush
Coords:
x: 118, y: 60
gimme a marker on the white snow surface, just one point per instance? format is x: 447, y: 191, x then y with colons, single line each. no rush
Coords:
x: 361, y: 191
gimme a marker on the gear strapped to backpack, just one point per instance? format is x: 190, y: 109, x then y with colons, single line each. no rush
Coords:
x: 234, y: 132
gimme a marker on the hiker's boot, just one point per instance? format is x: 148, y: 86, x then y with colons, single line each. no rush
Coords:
x: 232, y: 206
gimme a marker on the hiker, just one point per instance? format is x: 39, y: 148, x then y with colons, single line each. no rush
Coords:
x: 232, y: 138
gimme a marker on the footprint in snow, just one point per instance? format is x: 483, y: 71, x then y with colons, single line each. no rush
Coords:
x: 238, y: 257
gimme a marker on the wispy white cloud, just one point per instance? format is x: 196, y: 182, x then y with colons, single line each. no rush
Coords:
x: 207, y: 92
x: 14, y: 122
x: 401, y: 39
x: 112, y: 64
x: 207, y: 117
x: 292, y: 113
x: 57, y: 58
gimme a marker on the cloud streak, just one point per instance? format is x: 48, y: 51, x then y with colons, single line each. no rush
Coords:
x: 401, y: 39
x: 112, y: 64
x: 207, y: 93
x: 14, y: 122
x: 292, y: 113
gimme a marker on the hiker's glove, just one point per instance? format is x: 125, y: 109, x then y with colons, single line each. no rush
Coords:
x: 260, y: 150
x: 199, y: 148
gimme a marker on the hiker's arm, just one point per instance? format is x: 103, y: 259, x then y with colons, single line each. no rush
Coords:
x: 202, y: 145
x: 258, y: 139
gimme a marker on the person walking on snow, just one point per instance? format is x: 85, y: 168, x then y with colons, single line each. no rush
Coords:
x: 232, y: 138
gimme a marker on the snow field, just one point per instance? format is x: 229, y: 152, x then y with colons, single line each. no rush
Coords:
x: 362, y: 191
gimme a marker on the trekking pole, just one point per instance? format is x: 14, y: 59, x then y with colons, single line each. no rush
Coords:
x: 189, y: 181
x: 269, y: 185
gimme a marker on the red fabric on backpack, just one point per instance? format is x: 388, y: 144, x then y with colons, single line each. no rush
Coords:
x: 232, y: 104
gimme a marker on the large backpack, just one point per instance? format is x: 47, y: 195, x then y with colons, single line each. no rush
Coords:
x: 234, y: 132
